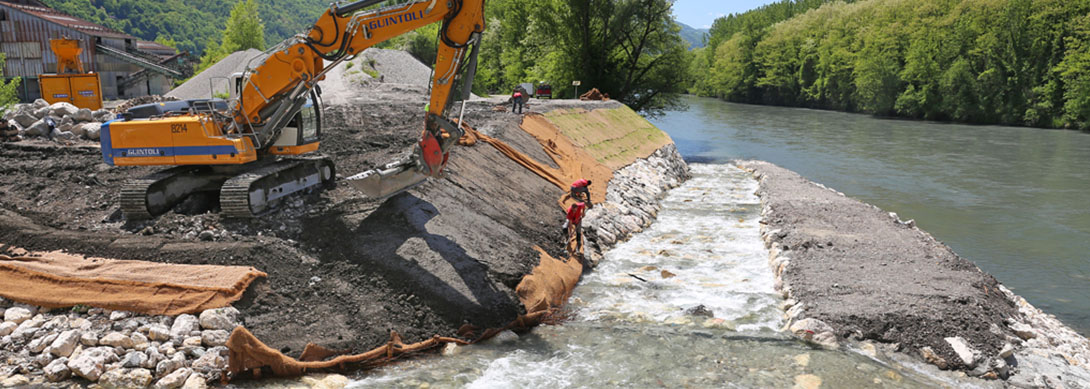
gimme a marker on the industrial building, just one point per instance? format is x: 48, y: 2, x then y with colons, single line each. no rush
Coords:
x: 127, y: 66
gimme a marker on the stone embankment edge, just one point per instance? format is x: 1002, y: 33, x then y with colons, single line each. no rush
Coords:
x: 633, y: 200
x: 1050, y: 355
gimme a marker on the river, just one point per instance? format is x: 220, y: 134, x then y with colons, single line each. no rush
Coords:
x: 1015, y: 201
x: 688, y: 302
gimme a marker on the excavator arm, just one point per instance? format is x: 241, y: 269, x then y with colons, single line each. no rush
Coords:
x: 274, y: 90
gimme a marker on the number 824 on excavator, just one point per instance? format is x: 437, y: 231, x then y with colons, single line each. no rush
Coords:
x: 252, y: 147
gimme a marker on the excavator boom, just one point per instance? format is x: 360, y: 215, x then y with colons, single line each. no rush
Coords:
x: 344, y: 31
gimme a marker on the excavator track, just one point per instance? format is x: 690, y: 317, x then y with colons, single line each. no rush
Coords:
x: 157, y: 193
x: 252, y: 193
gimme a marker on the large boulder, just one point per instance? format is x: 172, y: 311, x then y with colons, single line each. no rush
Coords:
x: 219, y: 319
x: 116, y: 339
x: 7, y: 327
x: 38, y: 128
x: 83, y: 115
x: 70, y: 127
x: 65, y: 343
x: 57, y: 370
x: 184, y: 325
x: 42, y: 112
x: 125, y: 378
x: 92, y: 130
x: 174, y: 380
x: 91, y: 363
x: 63, y: 109
x: 25, y: 118
x: 39, y: 104
x: 211, y: 361
x: 64, y: 135
x: 17, y: 315
x: 158, y: 332
x: 39, y: 344
x: 103, y: 115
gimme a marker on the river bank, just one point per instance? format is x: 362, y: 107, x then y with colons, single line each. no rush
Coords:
x: 1011, y: 200
x: 342, y: 269
x: 850, y: 271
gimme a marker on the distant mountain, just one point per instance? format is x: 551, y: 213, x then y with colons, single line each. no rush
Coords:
x: 693, y: 35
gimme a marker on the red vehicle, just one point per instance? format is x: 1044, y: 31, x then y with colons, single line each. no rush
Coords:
x: 544, y: 90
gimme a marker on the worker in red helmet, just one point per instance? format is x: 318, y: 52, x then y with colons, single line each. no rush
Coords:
x: 574, y: 225
x: 580, y: 191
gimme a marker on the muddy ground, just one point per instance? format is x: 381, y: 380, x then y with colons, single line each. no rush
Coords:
x: 343, y: 269
x: 873, y: 277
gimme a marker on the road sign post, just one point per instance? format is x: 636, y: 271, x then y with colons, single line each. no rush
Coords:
x: 576, y: 85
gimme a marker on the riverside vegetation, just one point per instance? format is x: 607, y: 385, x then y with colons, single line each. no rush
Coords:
x: 1015, y: 62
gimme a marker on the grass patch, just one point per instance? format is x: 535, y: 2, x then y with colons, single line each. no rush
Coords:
x: 615, y: 137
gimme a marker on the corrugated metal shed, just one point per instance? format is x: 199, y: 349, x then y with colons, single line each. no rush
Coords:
x: 26, y: 26
x: 22, y: 35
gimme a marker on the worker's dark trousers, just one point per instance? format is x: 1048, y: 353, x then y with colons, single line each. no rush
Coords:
x: 517, y: 103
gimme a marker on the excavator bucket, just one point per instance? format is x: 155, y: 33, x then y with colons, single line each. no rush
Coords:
x: 388, y: 180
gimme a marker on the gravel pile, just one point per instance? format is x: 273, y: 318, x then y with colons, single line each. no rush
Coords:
x: 200, y: 85
x: 396, y: 66
x: 60, y: 121
x: 112, y: 348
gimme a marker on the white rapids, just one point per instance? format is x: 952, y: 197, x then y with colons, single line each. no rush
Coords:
x: 634, y: 321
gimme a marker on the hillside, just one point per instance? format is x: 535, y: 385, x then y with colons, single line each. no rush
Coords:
x: 695, y: 36
x: 980, y: 61
x: 190, y: 23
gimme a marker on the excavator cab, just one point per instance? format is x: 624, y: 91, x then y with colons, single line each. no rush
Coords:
x: 303, y: 130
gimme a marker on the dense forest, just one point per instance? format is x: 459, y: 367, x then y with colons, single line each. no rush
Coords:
x: 1018, y: 62
x: 190, y: 25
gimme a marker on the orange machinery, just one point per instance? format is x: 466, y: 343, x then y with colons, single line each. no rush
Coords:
x: 70, y: 84
x: 252, y: 148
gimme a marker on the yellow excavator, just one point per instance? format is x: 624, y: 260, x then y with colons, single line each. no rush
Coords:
x: 252, y: 147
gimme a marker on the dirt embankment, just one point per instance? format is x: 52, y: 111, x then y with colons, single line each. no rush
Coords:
x: 343, y: 270
x: 864, y: 274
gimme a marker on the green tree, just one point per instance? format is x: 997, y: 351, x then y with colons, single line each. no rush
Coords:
x: 8, y: 89
x: 244, y: 31
x: 1020, y: 62
x: 629, y: 49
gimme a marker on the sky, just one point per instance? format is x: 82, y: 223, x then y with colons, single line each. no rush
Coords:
x: 701, y: 13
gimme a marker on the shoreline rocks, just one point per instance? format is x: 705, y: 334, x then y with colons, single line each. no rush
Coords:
x: 112, y: 348
x: 856, y: 273
x: 633, y: 200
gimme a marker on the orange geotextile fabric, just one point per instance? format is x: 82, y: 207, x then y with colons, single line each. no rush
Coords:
x: 58, y: 280
x: 572, y: 161
x: 550, y: 284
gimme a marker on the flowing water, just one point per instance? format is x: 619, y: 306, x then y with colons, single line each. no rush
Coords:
x: 1015, y: 201
x: 687, y: 302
